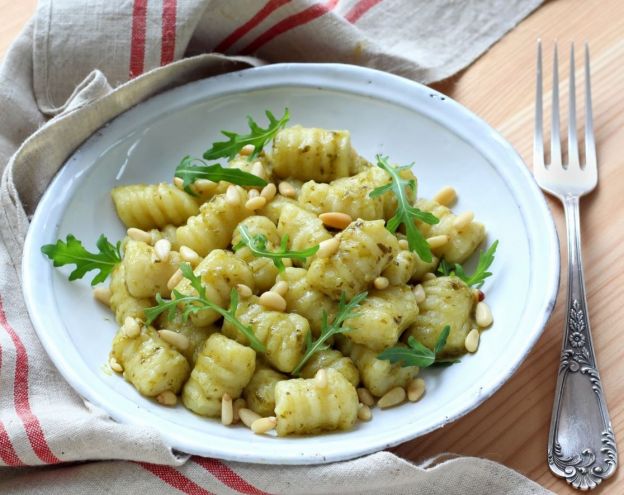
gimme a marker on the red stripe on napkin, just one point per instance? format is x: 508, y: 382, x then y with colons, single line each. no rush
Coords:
x: 289, y: 23
x: 7, y: 452
x: 270, y: 7
x: 359, y: 9
x: 227, y: 476
x: 137, y: 39
x: 175, y: 478
x: 168, y: 31
x: 33, y: 429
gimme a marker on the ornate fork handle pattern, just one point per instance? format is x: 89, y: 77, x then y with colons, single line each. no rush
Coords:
x: 581, y: 443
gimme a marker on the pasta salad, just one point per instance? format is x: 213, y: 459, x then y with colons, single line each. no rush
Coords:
x: 294, y: 289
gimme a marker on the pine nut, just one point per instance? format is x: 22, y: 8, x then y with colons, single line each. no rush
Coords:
x: 327, y: 248
x: 244, y: 291
x: 139, y: 235
x: 437, y: 241
x: 269, y: 191
x: 189, y: 255
x: 272, y: 300
x: 131, y: 327
x: 483, y: 315
x: 336, y: 220
x: 253, y: 193
x: 321, y: 378
x: 102, y: 294
x: 255, y: 203
x: 419, y: 294
x: 238, y: 405
x: 114, y: 365
x: 428, y: 276
x: 227, y: 410
x: 463, y: 220
x: 365, y: 397
x: 232, y: 196
x: 178, y: 182
x: 247, y: 150
x: 392, y: 398
x: 175, y: 279
x: 281, y: 288
x: 162, y: 249
x: 364, y: 413
x: 381, y: 283
x: 247, y: 416
x: 415, y: 389
x: 287, y: 189
x: 204, y: 186
x: 403, y: 244
x: 258, y: 170
x: 175, y: 339
x: 167, y: 398
x: 472, y: 340
x: 446, y: 196
x: 263, y: 425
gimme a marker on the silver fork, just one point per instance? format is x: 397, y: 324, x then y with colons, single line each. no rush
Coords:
x: 581, y: 443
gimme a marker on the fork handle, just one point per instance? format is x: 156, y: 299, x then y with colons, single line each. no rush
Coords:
x: 581, y: 443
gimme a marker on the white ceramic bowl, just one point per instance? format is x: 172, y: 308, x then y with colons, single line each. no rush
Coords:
x: 385, y: 114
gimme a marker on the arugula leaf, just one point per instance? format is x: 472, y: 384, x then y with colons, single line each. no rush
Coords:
x: 258, y: 246
x: 405, y: 214
x: 73, y: 252
x: 189, y: 173
x: 416, y: 354
x: 479, y: 275
x: 194, y: 304
x: 345, y: 311
x: 258, y: 137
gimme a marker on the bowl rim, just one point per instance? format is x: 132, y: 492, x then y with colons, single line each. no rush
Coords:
x: 338, y: 77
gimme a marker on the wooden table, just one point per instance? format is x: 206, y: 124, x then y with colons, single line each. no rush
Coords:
x: 512, y: 426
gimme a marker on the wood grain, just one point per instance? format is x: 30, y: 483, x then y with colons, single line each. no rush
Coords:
x: 512, y: 426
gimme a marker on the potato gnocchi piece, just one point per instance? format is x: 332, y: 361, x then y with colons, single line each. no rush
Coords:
x: 382, y: 317
x: 379, y: 375
x: 153, y: 206
x: 366, y: 248
x: 283, y: 334
x: 273, y: 209
x: 260, y: 391
x: 220, y: 272
x: 304, y: 229
x: 314, y: 154
x: 149, y: 363
x: 302, y: 299
x: 407, y: 266
x: 263, y: 269
x: 330, y: 358
x: 223, y: 367
x: 212, y: 228
x: 122, y: 303
x: 462, y: 242
x: 146, y: 275
x: 449, y: 301
x: 196, y: 335
x: 348, y: 195
x: 302, y: 407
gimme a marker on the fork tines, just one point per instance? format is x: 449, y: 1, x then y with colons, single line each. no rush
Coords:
x: 555, y: 139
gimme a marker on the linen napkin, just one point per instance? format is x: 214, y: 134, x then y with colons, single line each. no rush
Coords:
x: 77, y: 65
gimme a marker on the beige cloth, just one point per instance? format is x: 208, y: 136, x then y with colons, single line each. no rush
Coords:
x: 70, y: 72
